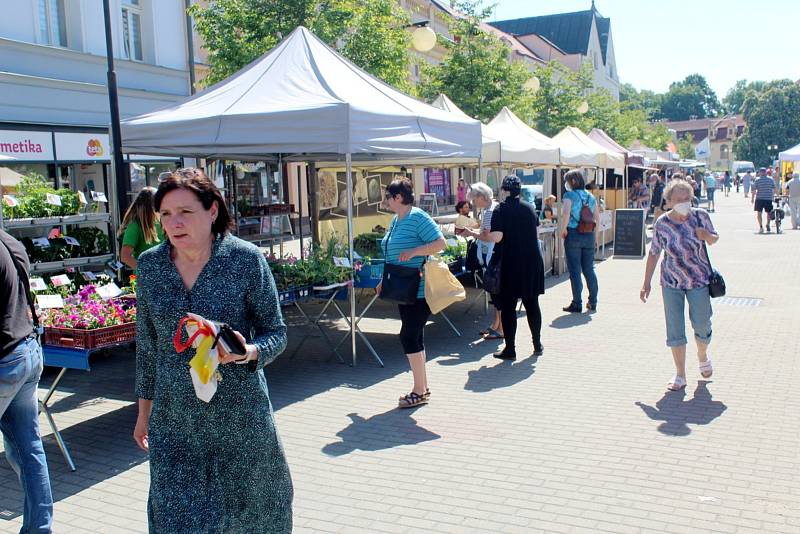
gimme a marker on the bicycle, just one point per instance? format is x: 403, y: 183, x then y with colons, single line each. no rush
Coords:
x: 778, y: 212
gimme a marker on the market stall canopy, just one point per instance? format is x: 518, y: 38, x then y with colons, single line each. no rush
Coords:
x: 578, y: 150
x: 519, y: 143
x: 602, y: 138
x: 793, y: 154
x: 299, y: 99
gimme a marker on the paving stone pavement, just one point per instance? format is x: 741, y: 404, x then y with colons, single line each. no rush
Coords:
x: 582, y: 439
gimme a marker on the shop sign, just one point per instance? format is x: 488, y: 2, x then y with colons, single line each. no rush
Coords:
x: 82, y: 147
x: 26, y: 146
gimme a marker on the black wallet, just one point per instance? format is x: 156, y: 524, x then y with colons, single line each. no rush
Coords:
x: 230, y: 342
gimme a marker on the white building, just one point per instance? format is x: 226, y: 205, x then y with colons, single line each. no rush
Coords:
x: 53, y: 78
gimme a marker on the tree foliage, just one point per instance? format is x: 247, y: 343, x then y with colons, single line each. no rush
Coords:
x: 368, y: 32
x: 773, y: 118
x: 734, y: 100
x: 476, y: 72
x: 686, y: 147
x: 689, y: 98
x: 648, y: 101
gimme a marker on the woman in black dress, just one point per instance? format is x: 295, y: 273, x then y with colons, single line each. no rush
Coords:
x: 514, y: 230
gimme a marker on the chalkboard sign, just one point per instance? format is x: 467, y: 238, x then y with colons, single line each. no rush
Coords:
x: 629, y: 233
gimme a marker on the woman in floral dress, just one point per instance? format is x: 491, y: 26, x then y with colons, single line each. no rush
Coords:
x: 215, y: 467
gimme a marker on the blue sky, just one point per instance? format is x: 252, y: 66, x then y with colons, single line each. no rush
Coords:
x: 660, y: 41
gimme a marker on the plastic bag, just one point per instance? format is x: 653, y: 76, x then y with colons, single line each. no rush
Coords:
x: 203, y: 366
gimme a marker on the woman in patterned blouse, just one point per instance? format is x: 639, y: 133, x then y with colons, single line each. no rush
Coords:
x: 217, y: 466
x: 680, y: 234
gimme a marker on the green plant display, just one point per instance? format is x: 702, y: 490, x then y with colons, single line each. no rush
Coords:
x: 452, y: 252
x: 368, y: 245
x: 93, y: 241
x: 31, y: 196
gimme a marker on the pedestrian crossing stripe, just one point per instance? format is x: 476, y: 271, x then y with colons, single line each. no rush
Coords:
x: 741, y: 302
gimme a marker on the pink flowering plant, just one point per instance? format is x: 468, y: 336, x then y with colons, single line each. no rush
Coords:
x: 87, y: 310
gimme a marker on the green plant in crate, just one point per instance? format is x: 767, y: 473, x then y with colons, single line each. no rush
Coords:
x: 93, y: 241
x: 32, y: 194
x: 368, y: 245
x: 456, y: 248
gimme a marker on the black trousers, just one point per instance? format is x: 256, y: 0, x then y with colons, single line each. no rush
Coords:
x: 508, y: 316
x: 412, y: 330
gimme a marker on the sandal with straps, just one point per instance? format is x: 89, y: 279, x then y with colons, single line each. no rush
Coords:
x: 677, y: 383
x: 413, y: 399
x: 706, y: 370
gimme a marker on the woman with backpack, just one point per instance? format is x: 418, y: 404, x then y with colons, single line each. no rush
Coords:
x: 579, y: 219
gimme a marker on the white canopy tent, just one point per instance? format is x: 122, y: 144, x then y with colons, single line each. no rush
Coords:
x: 793, y: 154
x: 304, y: 102
x: 519, y: 143
x: 579, y: 150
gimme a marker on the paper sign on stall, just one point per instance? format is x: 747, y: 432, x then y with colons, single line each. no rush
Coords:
x: 90, y: 276
x: 452, y: 242
x: 41, y: 242
x: 109, y: 291
x: 341, y: 262
x: 82, y: 197
x: 10, y: 201
x: 49, y: 301
x: 99, y: 196
x: 37, y: 284
x: 60, y: 280
x: 115, y: 265
x: 71, y: 241
x: 53, y: 200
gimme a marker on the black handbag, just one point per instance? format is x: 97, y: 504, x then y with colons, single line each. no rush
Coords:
x: 472, y: 264
x: 399, y: 284
x: 716, y: 283
x: 491, y: 277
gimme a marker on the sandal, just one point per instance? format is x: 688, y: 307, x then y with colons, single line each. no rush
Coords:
x: 706, y: 370
x: 677, y: 383
x: 493, y: 334
x: 413, y: 399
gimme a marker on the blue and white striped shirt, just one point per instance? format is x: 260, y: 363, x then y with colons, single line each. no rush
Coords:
x: 765, y: 188
x: 412, y: 231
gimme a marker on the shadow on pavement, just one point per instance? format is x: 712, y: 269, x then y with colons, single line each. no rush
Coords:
x: 383, y: 431
x: 677, y: 415
x: 502, y: 375
x: 571, y: 320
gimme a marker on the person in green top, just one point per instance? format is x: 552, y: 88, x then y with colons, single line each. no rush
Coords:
x: 140, y: 229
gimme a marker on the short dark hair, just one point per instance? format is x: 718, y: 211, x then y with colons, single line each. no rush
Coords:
x: 461, y: 205
x: 576, y: 179
x: 196, y: 181
x: 402, y: 187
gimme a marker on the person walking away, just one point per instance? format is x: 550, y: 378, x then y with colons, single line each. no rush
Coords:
x: 737, y: 181
x: 216, y: 462
x: 747, y: 182
x: 140, y: 228
x: 580, y: 216
x: 763, y: 195
x: 658, y: 196
x: 20, y: 369
x: 514, y: 231
x: 412, y: 237
x: 685, y: 271
x: 482, y: 196
x: 711, y: 187
x: 793, y: 192
x: 461, y: 190
x: 727, y: 183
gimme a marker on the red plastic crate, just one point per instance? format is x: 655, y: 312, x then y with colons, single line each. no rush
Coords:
x: 77, y: 338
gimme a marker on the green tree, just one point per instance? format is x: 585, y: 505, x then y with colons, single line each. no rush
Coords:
x: 686, y: 147
x: 476, y: 72
x: 691, y: 97
x: 737, y: 94
x: 561, y: 91
x: 368, y: 32
x: 648, y: 101
x: 773, y: 118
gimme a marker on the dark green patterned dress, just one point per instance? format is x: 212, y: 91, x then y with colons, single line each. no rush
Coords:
x: 218, y: 467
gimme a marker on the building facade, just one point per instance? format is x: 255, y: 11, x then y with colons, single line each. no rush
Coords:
x: 721, y: 133
x: 53, y: 84
x: 572, y: 39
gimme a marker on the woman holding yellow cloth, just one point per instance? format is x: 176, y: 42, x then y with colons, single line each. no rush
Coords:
x: 216, y: 465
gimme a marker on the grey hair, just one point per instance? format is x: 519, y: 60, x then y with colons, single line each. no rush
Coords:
x: 480, y: 189
x: 677, y: 184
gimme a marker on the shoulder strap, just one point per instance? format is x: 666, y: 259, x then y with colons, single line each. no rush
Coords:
x: 705, y: 249
x: 23, y: 277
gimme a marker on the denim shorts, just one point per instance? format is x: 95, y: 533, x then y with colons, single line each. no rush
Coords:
x: 699, y: 314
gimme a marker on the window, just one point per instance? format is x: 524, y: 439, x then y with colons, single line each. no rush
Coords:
x: 723, y: 152
x: 52, y: 23
x: 132, y: 29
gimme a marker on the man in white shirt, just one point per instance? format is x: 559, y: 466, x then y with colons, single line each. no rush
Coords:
x: 747, y: 181
x: 793, y: 192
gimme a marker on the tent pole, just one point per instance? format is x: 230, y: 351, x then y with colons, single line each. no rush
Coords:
x: 605, y: 207
x: 559, y: 240
x: 300, y: 209
x: 349, y: 171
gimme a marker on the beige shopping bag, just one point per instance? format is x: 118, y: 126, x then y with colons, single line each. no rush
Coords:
x: 441, y: 287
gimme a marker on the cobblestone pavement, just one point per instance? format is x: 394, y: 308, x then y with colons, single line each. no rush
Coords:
x: 582, y: 439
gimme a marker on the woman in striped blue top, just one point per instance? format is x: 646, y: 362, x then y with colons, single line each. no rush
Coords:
x: 412, y: 237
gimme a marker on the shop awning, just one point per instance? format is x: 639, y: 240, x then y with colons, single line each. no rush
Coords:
x: 304, y: 100
x: 578, y: 150
x: 793, y: 154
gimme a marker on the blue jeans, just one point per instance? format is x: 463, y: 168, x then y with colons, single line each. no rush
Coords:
x: 19, y: 423
x: 699, y: 314
x: 579, y: 249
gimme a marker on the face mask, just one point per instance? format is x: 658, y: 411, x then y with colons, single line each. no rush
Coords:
x: 683, y: 208
x: 567, y: 186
